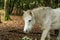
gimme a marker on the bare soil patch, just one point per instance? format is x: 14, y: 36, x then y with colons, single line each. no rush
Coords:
x: 13, y: 30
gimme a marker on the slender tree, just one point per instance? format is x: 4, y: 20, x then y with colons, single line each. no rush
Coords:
x: 6, y: 8
x: 0, y: 18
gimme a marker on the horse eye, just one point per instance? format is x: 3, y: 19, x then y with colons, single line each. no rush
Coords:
x: 29, y: 20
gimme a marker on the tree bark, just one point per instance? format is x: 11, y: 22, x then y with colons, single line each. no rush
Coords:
x: 0, y: 18
x: 6, y: 8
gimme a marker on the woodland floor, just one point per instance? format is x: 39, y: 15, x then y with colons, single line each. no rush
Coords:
x: 12, y: 29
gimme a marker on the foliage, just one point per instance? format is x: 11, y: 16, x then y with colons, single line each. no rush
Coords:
x: 19, y: 5
x: 30, y: 4
x: 26, y: 38
x: 1, y: 4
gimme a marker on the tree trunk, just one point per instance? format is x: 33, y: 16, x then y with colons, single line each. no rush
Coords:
x: 0, y: 18
x: 6, y: 8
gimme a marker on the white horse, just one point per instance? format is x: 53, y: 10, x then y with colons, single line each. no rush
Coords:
x: 48, y: 18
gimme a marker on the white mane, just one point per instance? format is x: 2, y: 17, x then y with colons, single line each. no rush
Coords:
x: 40, y: 13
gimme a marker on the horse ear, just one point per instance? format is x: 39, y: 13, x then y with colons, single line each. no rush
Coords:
x: 30, y: 13
x: 23, y: 12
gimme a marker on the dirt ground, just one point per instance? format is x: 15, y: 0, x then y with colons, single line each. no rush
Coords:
x: 13, y: 29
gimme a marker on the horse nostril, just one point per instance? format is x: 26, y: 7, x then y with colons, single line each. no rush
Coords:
x: 26, y: 31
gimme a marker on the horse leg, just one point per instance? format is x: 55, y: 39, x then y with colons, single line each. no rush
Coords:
x: 46, y: 28
x: 58, y: 37
x: 44, y: 34
x: 48, y: 36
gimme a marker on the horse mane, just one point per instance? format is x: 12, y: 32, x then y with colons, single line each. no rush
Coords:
x: 40, y: 12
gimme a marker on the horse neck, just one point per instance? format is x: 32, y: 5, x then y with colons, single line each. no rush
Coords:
x: 39, y: 15
x: 37, y: 18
